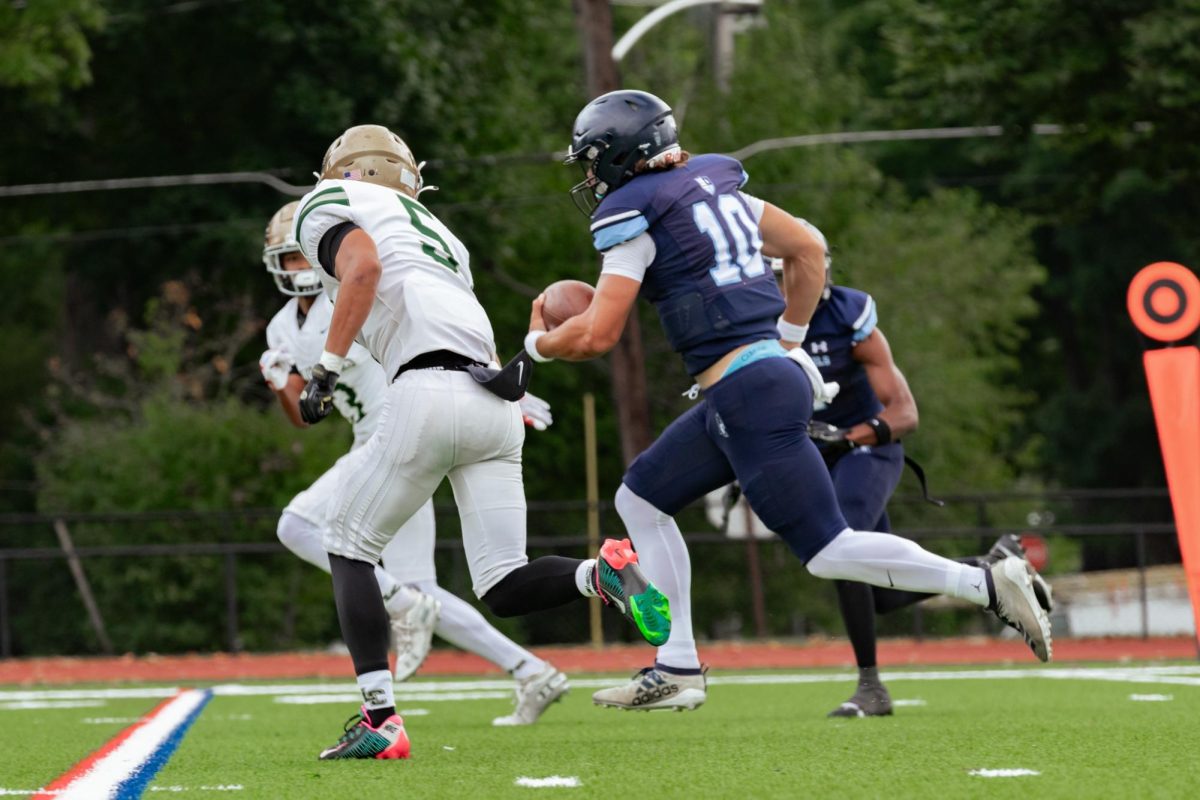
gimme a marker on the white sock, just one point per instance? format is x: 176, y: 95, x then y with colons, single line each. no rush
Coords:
x: 583, y: 577
x: 304, y: 539
x: 882, y: 559
x: 463, y: 626
x: 663, y: 556
x: 376, y: 688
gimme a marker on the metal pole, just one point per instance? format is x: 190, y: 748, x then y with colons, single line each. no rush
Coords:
x: 595, y: 624
x: 85, y: 588
x: 231, y: 604
x: 1141, y: 562
x: 754, y: 575
x: 5, y: 630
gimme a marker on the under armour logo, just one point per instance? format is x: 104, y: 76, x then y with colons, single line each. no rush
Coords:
x: 706, y: 185
x: 818, y: 347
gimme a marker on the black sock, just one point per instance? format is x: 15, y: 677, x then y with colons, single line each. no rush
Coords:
x: 361, y: 613
x: 377, y: 716
x: 858, y: 612
x: 546, y: 582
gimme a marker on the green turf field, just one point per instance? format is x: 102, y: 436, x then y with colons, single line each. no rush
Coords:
x: 1084, y: 735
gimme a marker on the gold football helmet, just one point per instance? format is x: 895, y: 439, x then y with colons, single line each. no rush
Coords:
x: 373, y: 154
x: 279, y: 241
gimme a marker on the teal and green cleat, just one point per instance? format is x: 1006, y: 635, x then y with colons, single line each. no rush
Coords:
x: 360, y: 740
x: 620, y: 582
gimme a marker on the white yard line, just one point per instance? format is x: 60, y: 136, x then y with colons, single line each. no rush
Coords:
x: 1003, y: 773
x: 487, y: 689
x: 551, y: 782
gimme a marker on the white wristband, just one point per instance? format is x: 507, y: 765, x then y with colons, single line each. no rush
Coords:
x: 531, y: 339
x: 332, y: 362
x: 792, y: 332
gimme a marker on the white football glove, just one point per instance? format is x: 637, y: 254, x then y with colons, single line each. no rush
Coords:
x: 536, y: 412
x: 276, y: 366
x: 823, y: 393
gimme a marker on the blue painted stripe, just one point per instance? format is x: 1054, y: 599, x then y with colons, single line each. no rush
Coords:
x: 613, y: 235
x: 135, y: 785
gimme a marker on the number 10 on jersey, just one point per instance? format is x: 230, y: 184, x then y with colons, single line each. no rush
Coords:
x: 738, y: 225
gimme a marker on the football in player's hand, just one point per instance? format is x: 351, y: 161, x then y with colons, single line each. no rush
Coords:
x: 565, y: 299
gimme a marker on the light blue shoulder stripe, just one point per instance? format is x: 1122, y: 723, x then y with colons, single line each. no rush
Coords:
x: 865, y: 324
x: 613, y: 235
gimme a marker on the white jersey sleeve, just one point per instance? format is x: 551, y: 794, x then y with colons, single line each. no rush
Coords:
x: 424, y: 300
x: 325, y: 207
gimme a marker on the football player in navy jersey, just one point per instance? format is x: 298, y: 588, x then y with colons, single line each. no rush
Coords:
x: 858, y: 434
x: 678, y: 230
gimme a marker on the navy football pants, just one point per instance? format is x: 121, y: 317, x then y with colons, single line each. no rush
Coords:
x: 752, y: 426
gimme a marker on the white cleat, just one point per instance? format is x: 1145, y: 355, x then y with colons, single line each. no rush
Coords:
x: 653, y: 689
x: 412, y: 634
x: 1017, y: 604
x: 534, y: 696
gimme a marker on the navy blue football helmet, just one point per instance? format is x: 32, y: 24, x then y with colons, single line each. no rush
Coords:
x: 612, y: 134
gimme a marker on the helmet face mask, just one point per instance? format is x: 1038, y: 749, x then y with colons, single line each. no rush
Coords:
x: 614, y: 135
x: 278, y: 243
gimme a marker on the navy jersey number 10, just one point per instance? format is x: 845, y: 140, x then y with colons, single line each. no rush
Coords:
x: 734, y: 223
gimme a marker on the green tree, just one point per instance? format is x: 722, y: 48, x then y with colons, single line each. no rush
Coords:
x: 44, y: 47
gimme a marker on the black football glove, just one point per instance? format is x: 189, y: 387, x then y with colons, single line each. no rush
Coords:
x: 824, y: 432
x: 316, y: 401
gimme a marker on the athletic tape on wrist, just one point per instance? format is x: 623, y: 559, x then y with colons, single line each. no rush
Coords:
x: 531, y: 339
x: 332, y: 362
x: 792, y: 332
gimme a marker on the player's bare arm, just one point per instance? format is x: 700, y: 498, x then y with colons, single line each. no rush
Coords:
x: 803, y: 264
x: 889, y: 385
x: 594, y: 332
x: 357, y: 267
x: 289, y: 399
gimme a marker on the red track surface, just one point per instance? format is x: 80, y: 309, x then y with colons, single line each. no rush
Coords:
x: 616, y: 658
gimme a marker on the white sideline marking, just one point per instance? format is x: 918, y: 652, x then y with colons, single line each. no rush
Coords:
x: 1003, y: 773
x: 413, y: 712
x: 233, y: 787
x: 916, y: 701
x: 1152, y: 698
x: 356, y: 697
x: 422, y: 690
x: 117, y: 766
x: 554, y: 781
x: 30, y: 705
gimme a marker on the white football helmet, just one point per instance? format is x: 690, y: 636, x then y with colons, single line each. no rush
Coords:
x: 278, y: 241
x: 777, y: 263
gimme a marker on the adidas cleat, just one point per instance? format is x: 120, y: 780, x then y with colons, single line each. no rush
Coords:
x: 620, y: 582
x: 412, y: 634
x: 1017, y: 604
x: 534, y: 696
x: 1009, y: 546
x: 869, y: 700
x: 360, y: 740
x: 655, y: 688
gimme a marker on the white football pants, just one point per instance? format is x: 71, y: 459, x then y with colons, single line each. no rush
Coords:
x: 437, y: 424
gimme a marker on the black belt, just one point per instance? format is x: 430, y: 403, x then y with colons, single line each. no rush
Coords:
x: 439, y: 359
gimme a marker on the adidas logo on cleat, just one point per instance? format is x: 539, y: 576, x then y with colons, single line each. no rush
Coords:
x: 657, y: 693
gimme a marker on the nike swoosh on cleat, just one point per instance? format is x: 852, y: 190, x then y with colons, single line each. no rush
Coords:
x: 889, y: 574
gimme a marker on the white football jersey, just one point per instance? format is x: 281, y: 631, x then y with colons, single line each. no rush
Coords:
x: 362, y: 386
x: 425, y: 300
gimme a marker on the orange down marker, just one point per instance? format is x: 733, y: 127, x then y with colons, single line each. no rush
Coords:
x: 1164, y: 302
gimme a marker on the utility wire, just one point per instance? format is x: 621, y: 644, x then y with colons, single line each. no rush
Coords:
x: 749, y: 151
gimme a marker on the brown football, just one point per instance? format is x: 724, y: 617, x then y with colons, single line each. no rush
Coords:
x: 565, y: 299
